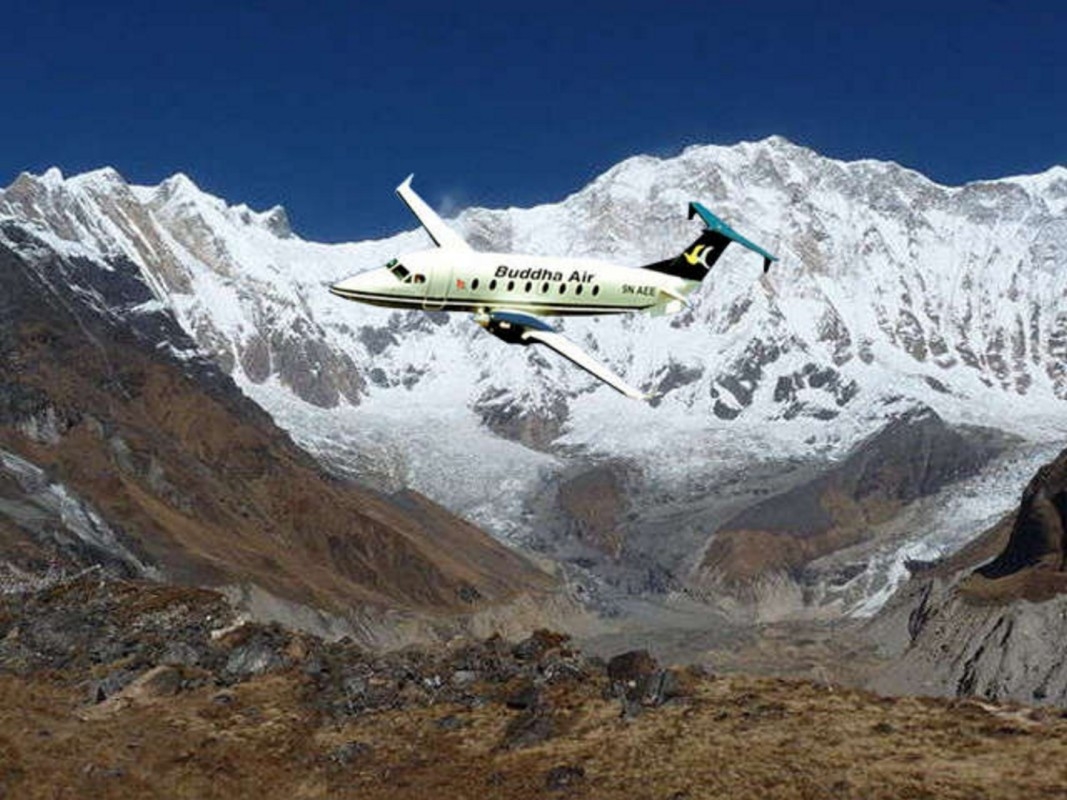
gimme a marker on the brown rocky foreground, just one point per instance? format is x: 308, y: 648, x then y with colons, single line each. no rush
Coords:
x: 126, y: 689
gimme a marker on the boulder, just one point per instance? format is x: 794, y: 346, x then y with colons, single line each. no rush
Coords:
x: 563, y: 777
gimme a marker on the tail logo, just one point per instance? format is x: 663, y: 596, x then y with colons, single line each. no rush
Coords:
x: 697, y: 255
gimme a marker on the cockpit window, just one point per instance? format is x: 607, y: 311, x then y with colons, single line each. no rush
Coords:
x: 399, y: 270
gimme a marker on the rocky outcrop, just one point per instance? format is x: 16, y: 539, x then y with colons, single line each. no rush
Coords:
x: 591, y: 523
x: 119, y: 688
x: 765, y: 551
x: 995, y: 629
x: 1039, y: 534
x: 510, y: 417
x: 596, y: 503
x: 109, y: 637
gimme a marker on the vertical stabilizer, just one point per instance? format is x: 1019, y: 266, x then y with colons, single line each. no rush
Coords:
x: 696, y: 261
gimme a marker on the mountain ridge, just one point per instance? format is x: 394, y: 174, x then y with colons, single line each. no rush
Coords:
x: 894, y: 293
x: 179, y: 476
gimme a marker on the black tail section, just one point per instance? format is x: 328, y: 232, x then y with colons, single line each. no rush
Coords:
x: 695, y: 263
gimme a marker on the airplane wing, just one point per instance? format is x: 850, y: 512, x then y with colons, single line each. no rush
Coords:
x: 442, y: 235
x: 576, y: 355
x: 516, y: 328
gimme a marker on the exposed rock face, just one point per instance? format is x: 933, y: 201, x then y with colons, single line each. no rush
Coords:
x: 1039, y: 535
x: 958, y: 645
x: 996, y: 631
x: 45, y: 530
x: 510, y: 417
x: 116, y: 413
x: 596, y: 502
x: 768, y: 546
x: 591, y: 522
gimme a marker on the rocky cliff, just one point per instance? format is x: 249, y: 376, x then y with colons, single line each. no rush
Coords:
x: 775, y: 553
x: 992, y: 620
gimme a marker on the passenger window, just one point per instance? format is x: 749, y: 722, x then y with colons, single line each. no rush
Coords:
x: 596, y: 291
x: 579, y: 289
x: 544, y: 288
x: 492, y: 285
x: 562, y: 288
x: 529, y: 286
x: 420, y: 279
x: 511, y: 286
x: 474, y: 285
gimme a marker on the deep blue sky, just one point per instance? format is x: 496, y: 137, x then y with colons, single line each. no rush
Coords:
x: 324, y: 107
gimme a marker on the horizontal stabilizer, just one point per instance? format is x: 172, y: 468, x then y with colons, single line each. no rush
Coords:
x: 442, y: 235
x: 696, y: 261
x: 715, y: 224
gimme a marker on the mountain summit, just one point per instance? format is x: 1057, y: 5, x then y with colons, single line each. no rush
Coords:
x: 894, y: 294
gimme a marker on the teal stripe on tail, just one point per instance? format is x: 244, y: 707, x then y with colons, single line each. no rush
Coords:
x: 698, y: 259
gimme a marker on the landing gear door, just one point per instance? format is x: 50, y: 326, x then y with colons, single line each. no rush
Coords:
x: 438, y: 282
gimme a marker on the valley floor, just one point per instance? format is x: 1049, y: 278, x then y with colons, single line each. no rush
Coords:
x: 835, y: 652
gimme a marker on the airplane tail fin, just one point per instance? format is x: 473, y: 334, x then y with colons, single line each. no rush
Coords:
x: 698, y: 259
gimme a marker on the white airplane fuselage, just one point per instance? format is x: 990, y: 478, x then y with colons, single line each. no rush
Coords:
x: 485, y: 282
x: 508, y: 292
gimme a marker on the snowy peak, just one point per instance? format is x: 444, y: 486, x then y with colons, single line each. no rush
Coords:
x: 179, y: 196
x: 51, y: 177
x: 890, y: 286
x: 275, y: 220
x: 179, y: 185
x: 214, y: 265
x: 101, y: 181
x: 881, y: 268
x: 54, y: 200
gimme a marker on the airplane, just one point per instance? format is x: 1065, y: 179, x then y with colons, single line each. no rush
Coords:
x: 509, y: 293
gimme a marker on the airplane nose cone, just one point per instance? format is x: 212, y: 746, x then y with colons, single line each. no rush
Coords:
x: 346, y: 287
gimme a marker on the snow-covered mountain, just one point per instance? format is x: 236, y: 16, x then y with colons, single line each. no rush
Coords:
x: 892, y: 292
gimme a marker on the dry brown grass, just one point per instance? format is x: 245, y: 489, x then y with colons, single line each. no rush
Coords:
x: 1037, y: 584
x: 735, y: 737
